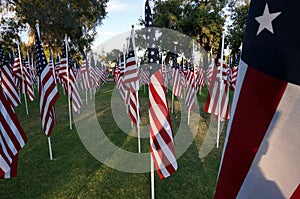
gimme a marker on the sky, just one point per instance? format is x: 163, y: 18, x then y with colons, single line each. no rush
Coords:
x: 121, y: 15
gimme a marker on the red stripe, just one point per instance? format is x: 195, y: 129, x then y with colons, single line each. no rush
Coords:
x: 160, y: 104
x: 296, y: 194
x: 258, y: 100
x: 47, y: 99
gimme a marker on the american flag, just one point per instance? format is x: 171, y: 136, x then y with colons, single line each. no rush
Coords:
x: 52, y: 65
x: 93, y: 73
x: 48, y: 93
x: 28, y: 79
x: 120, y: 84
x: 116, y: 73
x: 216, y: 98
x: 28, y: 68
x: 182, y: 75
x: 176, y: 78
x: 85, y: 72
x: 161, y: 135
x: 12, y: 139
x: 233, y: 72
x: 57, y: 69
x: 22, y: 77
x: 261, y: 156
x: 131, y: 80
x: 101, y: 75
x: 69, y: 80
x: 209, y: 73
x: 199, y: 76
x: 131, y: 69
x: 144, y: 75
x: 190, y: 88
x: 7, y: 80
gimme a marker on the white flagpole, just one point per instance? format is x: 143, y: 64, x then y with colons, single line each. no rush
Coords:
x: 31, y: 69
x: 87, y: 67
x: 189, y: 112
x: 68, y: 83
x: 172, y: 107
x: 221, y: 89
x: 50, y: 148
x: 137, y: 93
x: 91, y: 92
x: 86, y: 96
x: 54, y: 76
x: 23, y: 79
x: 189, y: 115
x: 138, y: 121
x: 124, y: 68
x: 152, y: 176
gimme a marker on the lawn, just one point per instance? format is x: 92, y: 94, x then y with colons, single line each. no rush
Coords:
x: 75, y: 173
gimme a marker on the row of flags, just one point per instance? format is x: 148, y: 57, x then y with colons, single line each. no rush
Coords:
x: 20, y: 78
x: 261, y: 153
x: 184, y: 76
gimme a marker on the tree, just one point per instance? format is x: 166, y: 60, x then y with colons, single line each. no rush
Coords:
x: 201, y: 20
x: 238, y: 16
x: 78, y: 19
x: 112, y: 56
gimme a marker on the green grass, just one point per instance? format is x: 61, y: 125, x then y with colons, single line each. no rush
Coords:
x: 74, y: 173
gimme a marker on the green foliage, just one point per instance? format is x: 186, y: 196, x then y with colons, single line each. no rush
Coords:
x: 77, y: 19
x: 239, y: 14
x: 202, y: 20
x: 112, y: 56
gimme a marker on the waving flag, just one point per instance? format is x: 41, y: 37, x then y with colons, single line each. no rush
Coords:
x: 176, y: 78
x: 161, y: 135
x: 68, y: 77
x: 22, y: 77
x: 261, y: 157
x: 217, y: 102
x: 190, y: 88
x: 85, y: 72
x: 12, y: 139
x: 48, y: 93
x: 232, y: 73
x: 7, y: 80
x: 131, y: 80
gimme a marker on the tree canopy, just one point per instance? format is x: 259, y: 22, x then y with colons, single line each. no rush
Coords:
x: 238, y: 16
x: 76, y: 18
x: 203, y: 20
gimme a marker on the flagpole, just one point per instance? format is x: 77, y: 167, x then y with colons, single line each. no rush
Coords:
x: 172, y: 108
x: 221, y: 88
x: 124, y: 65
x: 87, y: 69
x: 23, y: 80
x: 137, y: 93
x: 152, y: 176
x: 68, y: 83
x: 50, y: 148
x: 189, y: 112
x: 31, y: 69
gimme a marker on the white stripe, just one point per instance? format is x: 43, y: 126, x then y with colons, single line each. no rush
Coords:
x: 14, y: 129
x: 213, y: 97
x: 2, y: 145
x: 3, y: 165
x: 274, y: 172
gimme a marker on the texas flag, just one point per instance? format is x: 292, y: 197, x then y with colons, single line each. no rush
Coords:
x: 261, y: 157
